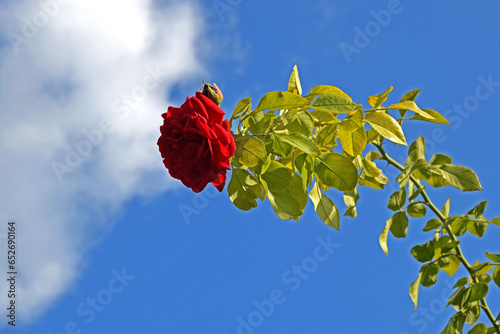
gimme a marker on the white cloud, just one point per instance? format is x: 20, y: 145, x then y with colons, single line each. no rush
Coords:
x: 70, y: 68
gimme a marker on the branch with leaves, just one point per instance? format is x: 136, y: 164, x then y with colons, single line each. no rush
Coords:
x: 287, y: 149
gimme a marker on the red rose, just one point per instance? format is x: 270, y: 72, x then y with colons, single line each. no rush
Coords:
x: 196, y: 144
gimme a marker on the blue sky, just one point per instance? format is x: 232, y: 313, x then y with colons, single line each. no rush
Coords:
x: 111, y: 230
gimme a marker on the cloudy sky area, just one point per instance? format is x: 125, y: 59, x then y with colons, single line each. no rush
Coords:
x: 82, y: 84
x: 104, y: 245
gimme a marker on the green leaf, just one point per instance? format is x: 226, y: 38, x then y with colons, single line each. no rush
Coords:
x: 351, y: 197
x: 304, y: 164
x: 436, y: 117
x: 457, y: 297
x: 446, y: 208
x: 377, y: 100
x: 484, y: 278
x: 459, y: 225
x: 326, y: 136
x: 325, y: 89
x: 259, y: 122
x: 374, y: 137
x: 416, y: 210
x: 299, y: 141
x: 281, y: 100
x: 353, y: 121
x: 414, y: 287
x: 373, y: 182
x: 416, y: 151
x: 455, y: 325
x: 242, y: 108
x: 399, y: 226
x: 479, y: 329
x: 460, y: 177
x: 286, y: 192
x: 410, y: 105
x: 383, y: 236
x: 495, y: 221
x: 479, y: 291
x: 325, y: 208
x: 435, y: 176
x: 449, y: 246
x: 461, y: 282
x: 279, y: 147
x: 250, y: 151
x: 324, y: 116
x: 478, y: 227
x: 453, y: 266
x: 397, y: 200
x: 440, y: 159
x: 429, y: 274
x: 353, y: 142
x: 478, y: 268
x: 410, y: 96
x: 478, y: 210
x: 496, y: 275
x: 423, y: 253
x: 335, y: 170
x: 243, y: 189
x: 351, y: 211
x: 386, y: 126
x: 336, y: 103
x: 472, y: 314
x: 303, y: 123
x: 432, y: 224
x: 294, y: 85
x: 371, y: 168
x: 493, y: 257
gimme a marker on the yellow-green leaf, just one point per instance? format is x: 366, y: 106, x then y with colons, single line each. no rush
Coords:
x: 399, y: 225
x: 353, y: 142
x: 286, y: 193
x: 377, y: 100
x: 324, y: 206
x: 294, y: 85
x: 414, y: 287
x: 386, y: 126
x: 250, y: 151
x: 460, y: 177
x: 281, y: 100
x: 411, y: 105
x: 479, y: 329
x: 299, y: 141
x: 436, y: 117
x: 325, y: 89
x: 333, y: 102
x: 383, y: 236
x: 243, y: 189
x: 493, y: 257
x: 335, y: 170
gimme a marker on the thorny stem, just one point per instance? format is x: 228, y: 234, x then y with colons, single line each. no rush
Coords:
x: 438, y: 213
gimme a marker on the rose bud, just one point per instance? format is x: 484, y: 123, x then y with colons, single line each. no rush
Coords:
x: 213, y: 93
